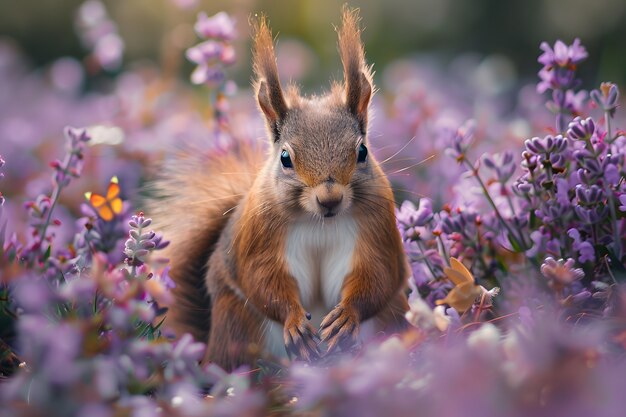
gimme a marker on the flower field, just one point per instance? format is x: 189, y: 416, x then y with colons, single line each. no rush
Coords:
x: 514, y: 223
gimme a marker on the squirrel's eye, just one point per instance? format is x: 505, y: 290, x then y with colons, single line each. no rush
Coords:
x: 362, y: 154
x: 285, y: 159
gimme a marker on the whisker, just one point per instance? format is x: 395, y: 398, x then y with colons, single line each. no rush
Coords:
x: 398, y: 160
x: 411, y: 166
x: 400, y: 150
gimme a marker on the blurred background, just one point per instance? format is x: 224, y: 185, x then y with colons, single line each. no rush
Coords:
x: 45, y: 30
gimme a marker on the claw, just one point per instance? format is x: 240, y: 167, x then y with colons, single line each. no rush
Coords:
x: 339, y: 328
x: 329, y: 332
x: 331, y: 317
x: 300, y: 340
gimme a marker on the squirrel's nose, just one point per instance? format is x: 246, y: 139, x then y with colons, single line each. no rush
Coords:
x: 330, y: 203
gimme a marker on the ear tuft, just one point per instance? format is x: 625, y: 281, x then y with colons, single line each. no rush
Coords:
x: 269, y: 92
x: 357, y: 75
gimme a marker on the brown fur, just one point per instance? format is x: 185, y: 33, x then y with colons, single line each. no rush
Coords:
x: 247, y: 279
x: 194, y: 193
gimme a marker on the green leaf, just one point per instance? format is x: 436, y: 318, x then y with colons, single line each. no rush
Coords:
x: 514, y: 244
x: 46, y: 255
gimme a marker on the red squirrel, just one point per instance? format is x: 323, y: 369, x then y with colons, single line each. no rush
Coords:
x: 259, y: 243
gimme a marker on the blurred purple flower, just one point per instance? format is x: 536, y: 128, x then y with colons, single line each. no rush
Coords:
x: 581, y: 129
x: 562, y: 55
x: 460, y: 140
x: 98, y: 34
x: 607, y: 98
x: 185, y: 4
x: 559, y: 75
x: 215, y: 52
x: 586, y: 252
x: 622, y: 200
x: 67, y: 75
x: 502, y: 164
x: 411, y: 217
x: 561, y: 271
x: 220, y: 26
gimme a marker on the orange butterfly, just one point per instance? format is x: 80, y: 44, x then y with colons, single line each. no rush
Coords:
x: 109, y: 206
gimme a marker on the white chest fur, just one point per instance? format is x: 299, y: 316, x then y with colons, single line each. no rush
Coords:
x: 319, y: 257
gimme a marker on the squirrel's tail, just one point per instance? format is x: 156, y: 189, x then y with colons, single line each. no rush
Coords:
x: 193, y: 198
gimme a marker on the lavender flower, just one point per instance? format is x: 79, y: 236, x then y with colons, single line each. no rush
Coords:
x: 42, y: 209
x: 607, y: 98
x: 185, y: 4
x: 215, y: 52
x: 559, y: 75
x: 141, y: 243
x: 411, y: 218
x: 98, y: 33
x: 622, y: 200
x: 220, y: 26
x: 502, y: 164
x: 561, y: 271
x: 562, y: 55
x: 580, y: 129
x: 582, y: 246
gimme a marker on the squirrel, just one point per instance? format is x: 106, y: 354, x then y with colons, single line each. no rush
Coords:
x: 265, y: 241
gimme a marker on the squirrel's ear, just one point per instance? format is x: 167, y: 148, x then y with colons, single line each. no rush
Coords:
x: 269, y: 92
x: 357, y: 75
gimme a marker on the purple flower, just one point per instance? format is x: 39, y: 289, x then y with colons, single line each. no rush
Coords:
x: 607, y: 98
x: 562, y: 55
x: 586, y: 252
x: 589, y: 195
x: 542, y: 242
x: 211, y: 76
x: 205, y: 52
x: 502, y: 163
x: 409, y: 216
x: 591, y: 216
x: 552, y: 211
x: 185, y: 4
x: 109, y: 51
x: 581, y: 129
x: 216, y: 52
x: 559, y: 75
x: 459, y: 141
x: 562, y: 192
x: 220, y: 26
x: 141, y: 243
x: 561, y: 271
x: 622, y: 200
x: 98, y: 33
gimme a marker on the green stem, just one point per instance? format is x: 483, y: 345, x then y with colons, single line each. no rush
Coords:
x: 610, y: 198
x: 607, y: 117
x: 426, y: 261
x: 56, y: 194
x: 491, y: 202
x: 617, y: 241
x: 443, y: 250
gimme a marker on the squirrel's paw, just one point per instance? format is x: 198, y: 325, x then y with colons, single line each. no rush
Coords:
x: 301, y: 340
x: 340, y: 327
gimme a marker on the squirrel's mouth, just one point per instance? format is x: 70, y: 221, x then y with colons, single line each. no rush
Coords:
x: 330, y: 214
